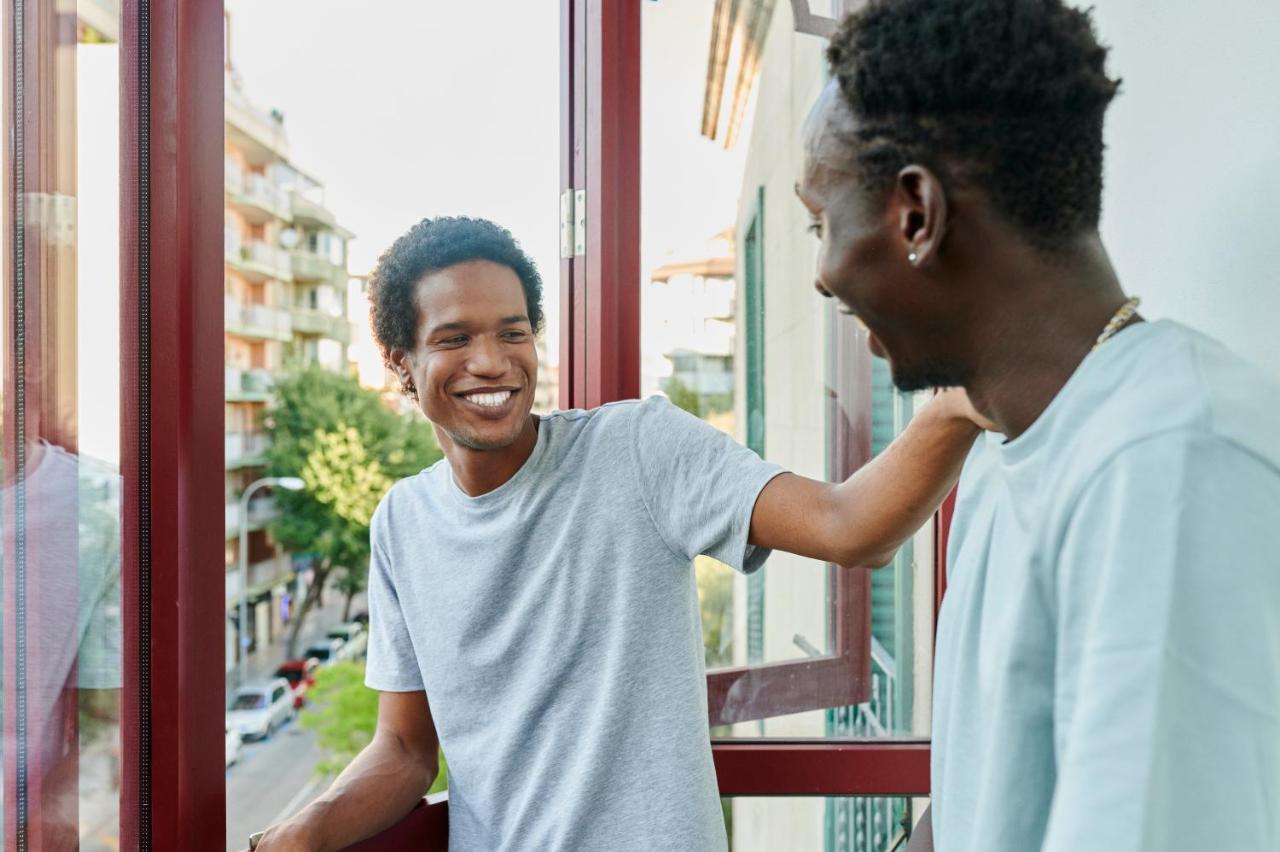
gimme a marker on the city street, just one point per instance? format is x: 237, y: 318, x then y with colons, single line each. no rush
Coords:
x: 271, y: 781
x: 276, y: 777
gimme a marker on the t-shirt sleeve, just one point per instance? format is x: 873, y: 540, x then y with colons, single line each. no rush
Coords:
x: 698, y: 484
x: 1167, y: 688
x: 391, y: 664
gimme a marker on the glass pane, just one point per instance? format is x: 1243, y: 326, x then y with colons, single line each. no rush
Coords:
x: 305, y: 222
x: 61, y: 430
x: 733, y: 331
x: 814, y: 824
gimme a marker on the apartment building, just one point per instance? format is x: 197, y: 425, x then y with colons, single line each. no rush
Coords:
x: 285, y: 298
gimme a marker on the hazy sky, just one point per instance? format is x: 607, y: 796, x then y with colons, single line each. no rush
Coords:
x: 414, y: 109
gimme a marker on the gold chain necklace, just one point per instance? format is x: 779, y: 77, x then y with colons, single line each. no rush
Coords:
x: 1118, y: 321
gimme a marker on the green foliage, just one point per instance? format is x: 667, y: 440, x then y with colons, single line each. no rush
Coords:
x: 715, y: 599
x: 348, y: 449
x: 344, y: 714
x: 699, y: 405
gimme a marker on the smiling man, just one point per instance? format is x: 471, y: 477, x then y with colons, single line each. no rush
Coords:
x: 532, y: 602
x: 1108, y: 653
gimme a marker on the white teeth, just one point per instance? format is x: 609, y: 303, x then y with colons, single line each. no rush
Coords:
x: 490, y: 400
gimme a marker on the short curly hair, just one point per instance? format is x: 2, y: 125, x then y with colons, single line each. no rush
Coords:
x: 430, y: 246
x: 1007, y: 94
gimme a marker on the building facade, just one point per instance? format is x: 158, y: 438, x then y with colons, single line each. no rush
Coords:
x: 285, y: 300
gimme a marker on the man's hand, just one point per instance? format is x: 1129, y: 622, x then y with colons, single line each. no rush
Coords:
x: 288, y: 836
x: 376, y: 790
x: 957, y: 402
x: 865, y: 519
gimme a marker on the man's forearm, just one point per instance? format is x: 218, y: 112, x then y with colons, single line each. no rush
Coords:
x: 890, y: 497
x: 374, y: 792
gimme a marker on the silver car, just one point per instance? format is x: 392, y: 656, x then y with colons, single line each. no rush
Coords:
x: 259, y: 710
x: 355, y: 641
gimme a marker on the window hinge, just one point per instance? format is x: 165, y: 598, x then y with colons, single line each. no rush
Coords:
x: 566, y: 225
x: 580, y: 222
x: 573, y: 223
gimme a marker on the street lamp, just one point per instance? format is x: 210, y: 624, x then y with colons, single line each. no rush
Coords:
x: 292, y: 483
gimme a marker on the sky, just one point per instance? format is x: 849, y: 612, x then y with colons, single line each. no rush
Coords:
x: 406, y: 110
x: 412, y: 109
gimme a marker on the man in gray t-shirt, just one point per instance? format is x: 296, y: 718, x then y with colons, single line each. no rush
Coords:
x: 532, y: 602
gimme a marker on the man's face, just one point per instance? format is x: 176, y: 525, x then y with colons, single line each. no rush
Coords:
x: 863, y: 258
x: 474, y: 363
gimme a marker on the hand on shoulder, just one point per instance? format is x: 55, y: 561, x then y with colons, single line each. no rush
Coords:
x: 956, y: 402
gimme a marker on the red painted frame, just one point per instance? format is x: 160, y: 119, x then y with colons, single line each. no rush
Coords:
x: 172, y: 446
x: 600, y: 302
x: 44, y: 335
x: 610, y: 62
x: 176, y: 798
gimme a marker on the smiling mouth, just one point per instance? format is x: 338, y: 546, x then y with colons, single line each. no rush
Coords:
x: 492, y: 400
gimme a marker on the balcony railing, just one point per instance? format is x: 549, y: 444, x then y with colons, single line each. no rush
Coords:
x: 309, y: 266
x: 259, y: 261
x: 870, y: 823
x: 243, y: 447
x: 262, y: 510
x: 248, y: 385
x: 309, y: 321
x: 257, y: 321
x: 305, y: 209
x: 258, y: 192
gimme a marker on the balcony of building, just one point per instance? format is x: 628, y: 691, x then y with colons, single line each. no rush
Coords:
x: 245, y: 449
x: 259, y: 261
x: 258, y: 134
x: 320, y: 323
x: 262, y: 511
x: 257, y: 321
x: 311, y: 266
x: 255, y: 196
x: 248, y: 385
x: 308, y: 210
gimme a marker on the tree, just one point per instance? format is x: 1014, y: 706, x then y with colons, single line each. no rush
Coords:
x: 344, y: 715
x: 699, y: 405
x: 348, y: 449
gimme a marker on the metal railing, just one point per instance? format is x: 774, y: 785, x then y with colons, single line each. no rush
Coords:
x: 311, y: 321
x: 257, y: 320
x: 262, y: 510
x: 242, y: 445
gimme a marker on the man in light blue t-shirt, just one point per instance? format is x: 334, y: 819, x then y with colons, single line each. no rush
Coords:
x: 532, y: 603
x: 1108, y: 652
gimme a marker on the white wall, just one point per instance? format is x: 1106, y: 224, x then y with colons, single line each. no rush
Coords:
x: 1192, y: 199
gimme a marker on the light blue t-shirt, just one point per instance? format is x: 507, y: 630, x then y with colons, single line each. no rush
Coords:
x: 1108, y: 652
x: 554, y: 624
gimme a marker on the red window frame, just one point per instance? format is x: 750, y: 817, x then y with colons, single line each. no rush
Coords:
x: 172, y: 449
x: 173, y: 792
x: 600, y: 356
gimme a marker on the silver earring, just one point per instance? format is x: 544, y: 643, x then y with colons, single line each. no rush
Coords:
x: 913, y: 258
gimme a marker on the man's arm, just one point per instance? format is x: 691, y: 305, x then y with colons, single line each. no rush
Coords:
x: 378, y: 787
x: 865, y: 519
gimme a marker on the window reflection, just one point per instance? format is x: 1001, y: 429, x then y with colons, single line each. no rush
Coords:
x: 732, y: 331
x: 60, y: 501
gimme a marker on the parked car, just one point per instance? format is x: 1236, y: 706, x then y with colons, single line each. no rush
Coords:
x: 258, y: 710
x: 355, y: 639
x: 326, y: 651
x: 301, y: 675
x: 233, y: 745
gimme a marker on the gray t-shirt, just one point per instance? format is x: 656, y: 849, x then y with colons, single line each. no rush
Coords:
x: 554, y: 625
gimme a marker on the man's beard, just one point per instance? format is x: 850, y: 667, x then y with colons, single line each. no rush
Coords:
x: 934, y: 374
x: 475, y: 442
